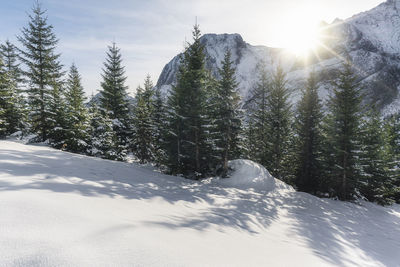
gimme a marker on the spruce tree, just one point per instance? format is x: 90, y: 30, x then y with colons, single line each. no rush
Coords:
x: 375, y: 181
x: 143, y: 137
x: 228, y: 114
x: 102, y: 136
x: 57, y: 118
x: 159, y: 118
x: 308, y: 138
x: 392, y: 154
x: 78, y: 120
x: 43, y: 68
x: 114, y: 98
x: 279, y: 131
x: 5, y: 101
x: 257, y: 125
x: 186, y: 107
x: 342, y: 127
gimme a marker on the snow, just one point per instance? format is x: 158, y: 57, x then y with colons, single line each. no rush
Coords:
x: 63, y: 209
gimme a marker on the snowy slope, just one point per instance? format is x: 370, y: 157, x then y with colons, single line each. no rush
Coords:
x: 63, y: 209
x: 371, y: 39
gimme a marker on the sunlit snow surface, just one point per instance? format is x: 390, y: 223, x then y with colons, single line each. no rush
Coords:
x: 62, y: 209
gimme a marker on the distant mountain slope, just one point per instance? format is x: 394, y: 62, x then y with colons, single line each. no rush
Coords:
x: 370, y: 39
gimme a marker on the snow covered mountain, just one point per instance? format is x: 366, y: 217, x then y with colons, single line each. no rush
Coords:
x: 64, y: 209
x: 370, y: 39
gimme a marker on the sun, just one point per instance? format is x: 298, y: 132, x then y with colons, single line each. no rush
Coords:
x: 299, y: 33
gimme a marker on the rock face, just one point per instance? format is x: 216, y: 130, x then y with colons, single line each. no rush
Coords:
x: 371, y: 40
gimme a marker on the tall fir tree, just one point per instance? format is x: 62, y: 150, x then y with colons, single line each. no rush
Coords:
x: 279, y: 131
x: 375, y: 180
x: 77, y: 113
x: 159, y: 118
x: 114, y: 98
x: 257, y: 123
x: 44, y: 71
x: 228, y: 114
x: 308, y: 138
x: 186, y: 107
x: 5, y: 100
x: 392, y: 154
x: 57, y: 117
x: 102, y: 136
x: 143, y: 137
x: 342, y: 144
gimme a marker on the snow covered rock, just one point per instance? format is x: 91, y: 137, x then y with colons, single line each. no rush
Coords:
x: 248, y: 174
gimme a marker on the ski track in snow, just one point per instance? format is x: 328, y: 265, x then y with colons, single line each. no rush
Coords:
x: 63, y: 209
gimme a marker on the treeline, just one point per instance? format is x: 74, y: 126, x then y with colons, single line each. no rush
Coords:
x: 345, y: 151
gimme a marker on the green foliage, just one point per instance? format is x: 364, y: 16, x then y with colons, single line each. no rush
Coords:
x: 308, y: 138
x: 114, y: 98
x: 43, y: 69
x: 342, y: 144
x: 77, y: 114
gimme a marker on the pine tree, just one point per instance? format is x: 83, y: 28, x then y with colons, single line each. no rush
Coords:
x: 57, y: 118
x: 78, y: 120
x: 114, y: 98
x: 342, y: 128
x: 279, y: 131
x: 43, y: 68
x: 159, y: 119
x: 228, y: 114
x: 392, y: 154
x: 102, y: 136
x: 257, y: 124
x: 308, y: 138
x: 375, y: 180
x: 186, y: 107
x: 143, y: 138
x: 5, y: 101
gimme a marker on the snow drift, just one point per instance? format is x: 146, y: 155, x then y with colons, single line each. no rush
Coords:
x: 248, y: 174
x: 64, y: 209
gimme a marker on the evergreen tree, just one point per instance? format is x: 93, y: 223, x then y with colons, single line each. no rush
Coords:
x: 43, y: 68
x: 114, y: 98
x: 143, y: 138
x: 102, y: 136
x: 5, y: 101
x: 159, y: 119
x: 57, y: 119
x: 342, y: 128
x: 308, y: 138
x: 186, y: 107
x: 375, y: 181
x: 228, y: 114
x: 392, y: 154
x: 279, y: 131
x: 258, y: 145
x: 78, y: 121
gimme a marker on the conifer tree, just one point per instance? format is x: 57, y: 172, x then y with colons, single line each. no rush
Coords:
x: 392, y: 154
x: 102, y: 136
x: 78, y: 121
x: 375, y: 180
x: 187, y: 134
x: 114, y: 98
x: 257, y: 124
x: 342, y: 144
x: 43, y: 68
x: 57, y: 119
x: 279, y: 131
x: 159, y: 119
x: 5, y: 101
x: 308, y: 138
x: 228, y: 114
x: 143, y: 137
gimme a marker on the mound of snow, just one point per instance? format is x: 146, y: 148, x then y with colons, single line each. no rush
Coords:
x: 248, y: 174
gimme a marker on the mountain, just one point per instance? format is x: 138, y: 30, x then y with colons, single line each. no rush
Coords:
x: 371, y: 40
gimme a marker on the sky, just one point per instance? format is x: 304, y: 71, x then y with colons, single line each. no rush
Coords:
x: 150, y: 33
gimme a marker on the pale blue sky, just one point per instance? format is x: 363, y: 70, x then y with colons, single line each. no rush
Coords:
x: 151, y: 32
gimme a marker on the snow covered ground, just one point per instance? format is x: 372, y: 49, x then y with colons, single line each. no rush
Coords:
x: 63, y: 209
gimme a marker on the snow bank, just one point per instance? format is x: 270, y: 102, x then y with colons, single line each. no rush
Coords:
x: 248, y: 174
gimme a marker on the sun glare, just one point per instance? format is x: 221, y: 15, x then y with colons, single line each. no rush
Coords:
x: 299, y: 33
